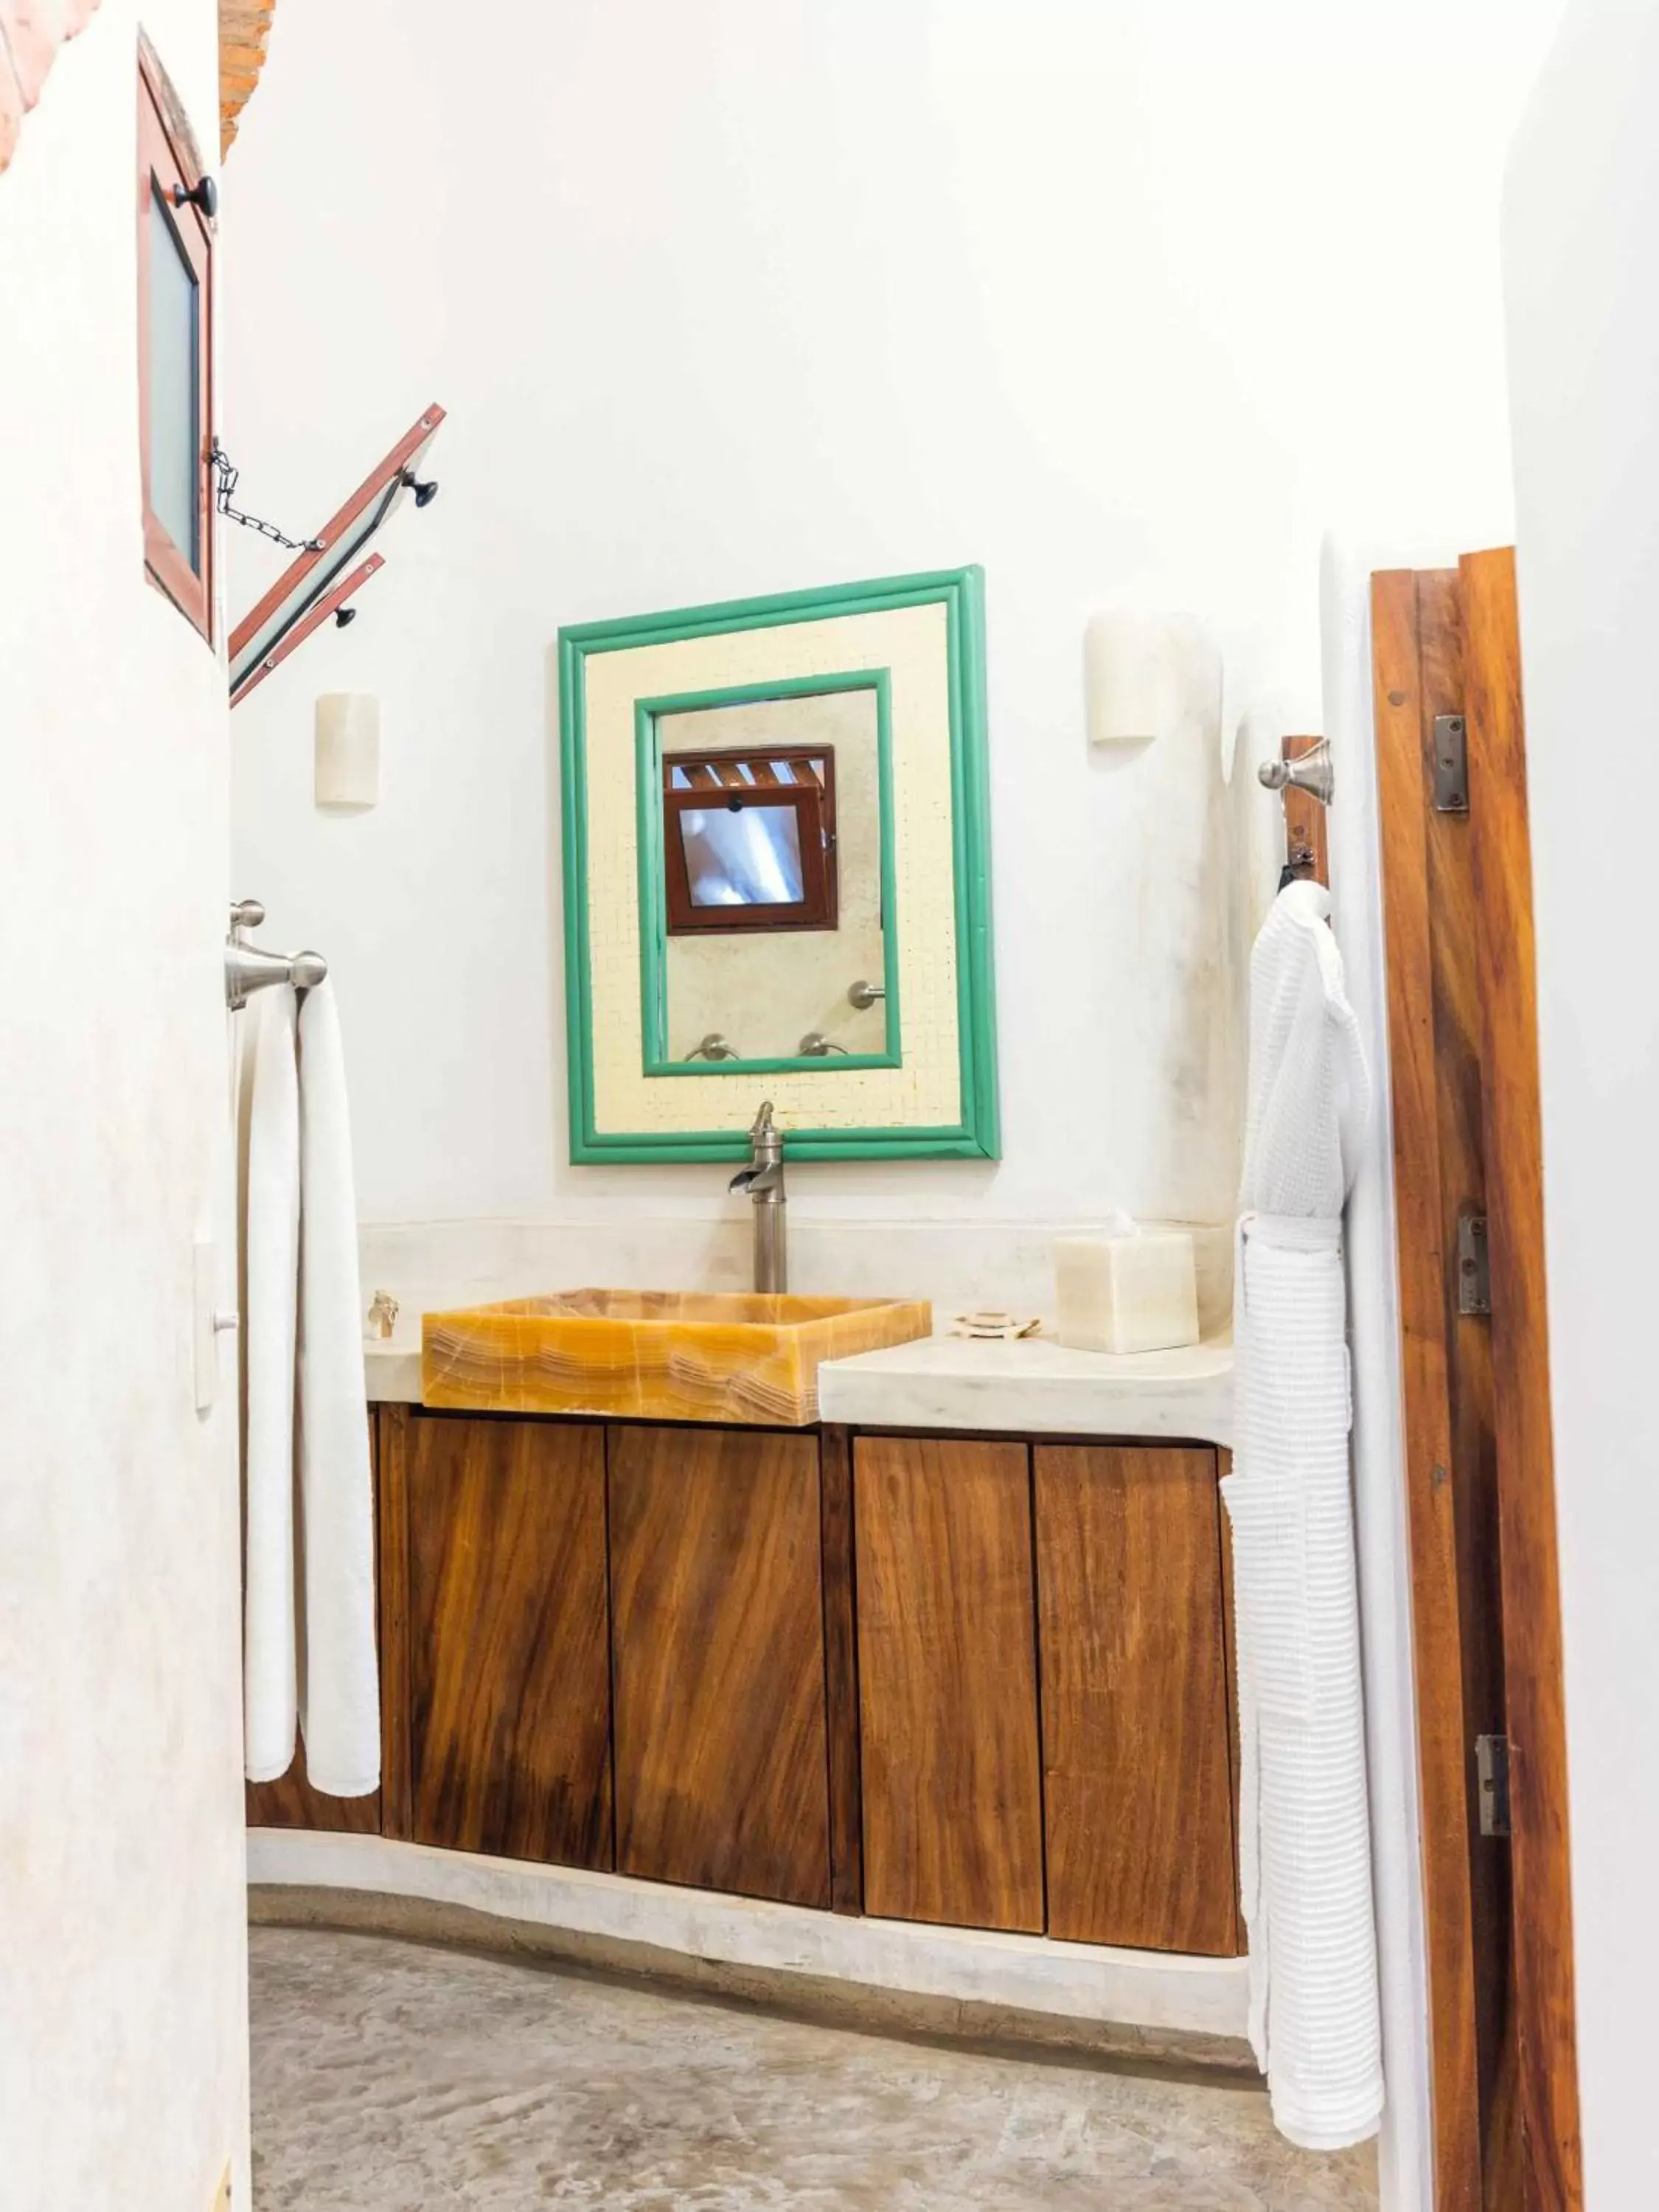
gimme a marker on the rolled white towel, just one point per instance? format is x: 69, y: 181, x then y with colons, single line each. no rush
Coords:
x: 340, y: 1696
x: 270, y: 1665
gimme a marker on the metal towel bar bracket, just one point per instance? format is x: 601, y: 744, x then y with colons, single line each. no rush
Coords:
x: 1311, y: 773
x: 248, y: 970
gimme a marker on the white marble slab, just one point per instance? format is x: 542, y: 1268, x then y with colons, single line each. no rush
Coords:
x: 392, y: 1370
x: 1035, y: 1388
x: 1149, y: 1990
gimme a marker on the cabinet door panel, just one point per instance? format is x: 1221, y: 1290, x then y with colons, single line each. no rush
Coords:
x: 1138, y: 1783
x: 509, y: 1677
x: 722, y: 1757
x: 947, y: 1678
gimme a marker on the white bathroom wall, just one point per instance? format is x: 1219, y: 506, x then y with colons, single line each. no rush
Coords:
x: 1582, y: 243
x: 123, y: 1986
x: 1122, y: 301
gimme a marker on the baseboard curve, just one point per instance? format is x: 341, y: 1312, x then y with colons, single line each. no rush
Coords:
x: 899, y: 1977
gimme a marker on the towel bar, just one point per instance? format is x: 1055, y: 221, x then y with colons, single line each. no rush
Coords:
x: 248, y: 970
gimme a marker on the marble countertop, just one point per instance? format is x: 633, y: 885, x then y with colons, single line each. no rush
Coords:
x: 392, y: 1368
x: 1032, y: 1388
x: 1035, y: 1387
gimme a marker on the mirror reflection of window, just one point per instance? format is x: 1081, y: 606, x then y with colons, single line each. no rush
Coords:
x: 745, y: 853
x: 772, y: 889
x: 750, y: 840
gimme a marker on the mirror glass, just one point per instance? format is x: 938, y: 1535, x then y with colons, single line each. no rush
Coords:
x: 175, y: 406
x: 773, y: 892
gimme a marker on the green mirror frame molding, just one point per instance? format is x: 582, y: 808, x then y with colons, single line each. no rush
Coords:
x: 976, y: 1133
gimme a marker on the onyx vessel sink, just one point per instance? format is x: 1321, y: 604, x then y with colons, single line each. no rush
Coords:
x: 655, y: 1355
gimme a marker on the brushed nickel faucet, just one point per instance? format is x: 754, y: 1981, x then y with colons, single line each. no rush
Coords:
x: 763, y: 1180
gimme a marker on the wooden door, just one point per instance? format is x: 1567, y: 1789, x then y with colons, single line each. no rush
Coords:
x: 1138, y: 1790
x: 947, y: 1682
x: 1478, y: 1476
x: 717, y: 1603
x: 509, y: 1710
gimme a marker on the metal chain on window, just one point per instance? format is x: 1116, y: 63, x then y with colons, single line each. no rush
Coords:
x: 226, y: 484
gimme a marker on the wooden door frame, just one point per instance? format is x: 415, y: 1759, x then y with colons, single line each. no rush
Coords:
x: 1456, y: 896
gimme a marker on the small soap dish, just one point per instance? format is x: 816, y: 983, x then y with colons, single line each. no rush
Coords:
x: 996, y: 1328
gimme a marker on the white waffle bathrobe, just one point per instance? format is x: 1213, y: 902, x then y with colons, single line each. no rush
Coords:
x: 1305, y: 1829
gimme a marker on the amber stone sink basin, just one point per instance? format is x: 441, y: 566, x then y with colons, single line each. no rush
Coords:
x: 655, y: 1355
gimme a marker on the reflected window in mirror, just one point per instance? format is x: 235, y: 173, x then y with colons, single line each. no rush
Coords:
x: 748, y: 840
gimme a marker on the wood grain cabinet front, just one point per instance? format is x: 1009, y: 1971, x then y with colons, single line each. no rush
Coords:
x: 1137, y: 1771
x: 981, y: 1682
x: 510, y: 1706
x: 717, y: 1604
x: 947, y: 1679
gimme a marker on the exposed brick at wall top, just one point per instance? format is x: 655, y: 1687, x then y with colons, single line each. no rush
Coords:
x: 244, y: 27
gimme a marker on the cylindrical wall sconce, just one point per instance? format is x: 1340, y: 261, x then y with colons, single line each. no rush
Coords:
x: 347, y: 751
x: 1145, y: 675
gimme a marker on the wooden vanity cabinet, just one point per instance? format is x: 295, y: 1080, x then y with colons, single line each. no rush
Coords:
x: 508, y: 1638
x: 717, y: 1605
x: 982, y: 1682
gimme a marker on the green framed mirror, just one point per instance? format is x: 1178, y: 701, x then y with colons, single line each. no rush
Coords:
x: 776, y: 861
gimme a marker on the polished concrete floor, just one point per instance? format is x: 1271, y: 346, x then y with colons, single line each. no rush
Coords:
x: 392, y: 2077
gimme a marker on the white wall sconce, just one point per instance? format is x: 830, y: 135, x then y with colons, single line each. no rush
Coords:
x: 1145, y: 675
x: 347, y: 751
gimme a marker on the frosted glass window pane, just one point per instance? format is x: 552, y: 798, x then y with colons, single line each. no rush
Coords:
x: 749, y: 857
x: 175, y: 406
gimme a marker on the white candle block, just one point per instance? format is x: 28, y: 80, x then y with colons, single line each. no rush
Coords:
x: 1132, y: 1293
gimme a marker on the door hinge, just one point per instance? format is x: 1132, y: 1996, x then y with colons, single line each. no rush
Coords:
x: 1492, y: 1766
x: 1451, y: 765
x: 1473, y: 1267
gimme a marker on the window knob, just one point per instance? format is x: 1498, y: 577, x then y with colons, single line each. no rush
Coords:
x: 424, y: 492
x: 204, y: 195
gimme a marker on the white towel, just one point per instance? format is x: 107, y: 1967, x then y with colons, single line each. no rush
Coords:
x: 270, y: 1665
x: 1305, y: 1829
x: 310, y: 1650
x: 339, y: 1680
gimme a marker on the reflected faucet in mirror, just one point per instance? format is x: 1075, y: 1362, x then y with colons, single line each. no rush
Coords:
x: 762, y: 1180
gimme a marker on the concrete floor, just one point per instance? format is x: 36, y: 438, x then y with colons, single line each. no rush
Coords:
x: 392, y: 2077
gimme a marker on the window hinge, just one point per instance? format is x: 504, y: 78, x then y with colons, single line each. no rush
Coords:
x: 1473, y: 1267
x: 1451, y: 765
x: 1492, y: 1763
